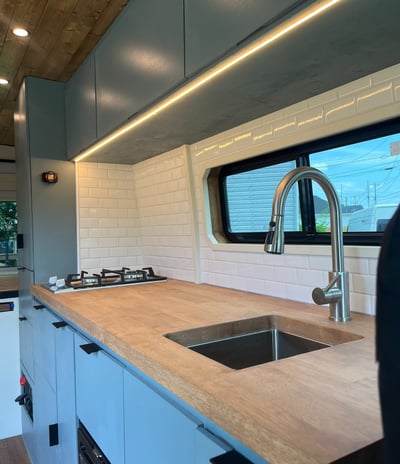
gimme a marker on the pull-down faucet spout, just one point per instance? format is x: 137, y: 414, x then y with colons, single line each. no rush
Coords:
x: 336, y: 293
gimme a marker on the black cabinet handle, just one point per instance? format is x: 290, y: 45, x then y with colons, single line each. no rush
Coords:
x: 22, y: 318
x: 231, y: 457
x: 53, y: 435
x: 90, y: 348
x: 40, y: 306
x: 59, y: 324
x: 20, y: 399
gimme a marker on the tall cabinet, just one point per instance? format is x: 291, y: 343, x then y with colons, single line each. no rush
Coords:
x: 47, y: 243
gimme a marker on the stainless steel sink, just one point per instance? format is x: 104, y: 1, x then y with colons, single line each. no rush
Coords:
x: 249, y: 342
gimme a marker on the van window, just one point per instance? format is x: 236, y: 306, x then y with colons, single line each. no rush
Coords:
x: 8, y: 232
x: 363, y: 165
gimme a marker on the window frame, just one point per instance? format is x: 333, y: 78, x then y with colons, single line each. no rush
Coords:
x: 301, y: 153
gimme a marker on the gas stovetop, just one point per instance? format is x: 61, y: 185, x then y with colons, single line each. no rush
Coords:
x: 106, y: 278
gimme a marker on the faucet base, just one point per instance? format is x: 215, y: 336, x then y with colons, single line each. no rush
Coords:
x: 339, y: 310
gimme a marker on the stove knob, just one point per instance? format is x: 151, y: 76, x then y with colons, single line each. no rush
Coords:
x: 60, y: 283
x: 149, y: 271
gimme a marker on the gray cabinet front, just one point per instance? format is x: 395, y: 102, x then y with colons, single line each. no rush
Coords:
x: 214, y: 28
x: 80, y: 108
x: 139, y: 60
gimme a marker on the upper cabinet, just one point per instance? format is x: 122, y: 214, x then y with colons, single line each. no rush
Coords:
x: 140, y: 58
x: 80, y: 108
x: 213, y: 28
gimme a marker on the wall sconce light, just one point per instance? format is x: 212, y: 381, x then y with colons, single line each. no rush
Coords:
x: 50, y: 177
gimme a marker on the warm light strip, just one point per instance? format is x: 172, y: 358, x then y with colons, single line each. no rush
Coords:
x: 272, y: 36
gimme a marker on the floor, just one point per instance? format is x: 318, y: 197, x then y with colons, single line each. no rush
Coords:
x: 12, y: 451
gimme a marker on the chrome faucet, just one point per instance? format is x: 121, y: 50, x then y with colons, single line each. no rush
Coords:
x: 336, y: 293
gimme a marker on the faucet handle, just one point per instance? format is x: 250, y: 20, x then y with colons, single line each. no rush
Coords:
x: 324, y: 295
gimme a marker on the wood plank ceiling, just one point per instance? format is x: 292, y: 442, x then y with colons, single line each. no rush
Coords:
x: 62, y: 34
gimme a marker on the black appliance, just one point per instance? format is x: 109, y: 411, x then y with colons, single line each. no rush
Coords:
x: 106, y: 278
x: 89, y: 452
x: 230, y: 457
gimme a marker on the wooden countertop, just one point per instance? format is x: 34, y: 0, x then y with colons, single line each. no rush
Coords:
x: 312, y: 408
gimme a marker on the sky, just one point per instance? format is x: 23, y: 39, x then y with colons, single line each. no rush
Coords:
x: 365, y: 173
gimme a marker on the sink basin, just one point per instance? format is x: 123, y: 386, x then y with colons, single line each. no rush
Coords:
x: 249, y: 342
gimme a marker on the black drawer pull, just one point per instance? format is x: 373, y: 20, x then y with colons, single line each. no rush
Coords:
x: 40, y: 306
x: 53, y: 435
x: 59, y: 324
x: 21, y: 399
x: 90, y: 348
x: 22, y: 318
x: 231, y: 457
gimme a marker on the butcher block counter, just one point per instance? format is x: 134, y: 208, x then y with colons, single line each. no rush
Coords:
x: 311, y: 408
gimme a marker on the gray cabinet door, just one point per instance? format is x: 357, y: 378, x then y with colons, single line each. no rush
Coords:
x: 215, y: 27
x: 99, y: 398
x: 139, y: 60
x: 80, y: 108
x: 24, y: 196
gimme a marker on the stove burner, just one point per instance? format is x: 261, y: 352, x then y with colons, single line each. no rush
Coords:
x: 107, y: 278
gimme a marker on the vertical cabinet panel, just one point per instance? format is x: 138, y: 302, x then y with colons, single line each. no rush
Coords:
x: 65, y: 373
x: 23, y: 176
x: 54, y: 219
x: 99, y: 399
x: 140, y: 58
x: 26, y: 344
x: 80, y: 108
x: 44, y: 415
x: 212, y: 27
x: 28, y: 430
x: 45, y: 356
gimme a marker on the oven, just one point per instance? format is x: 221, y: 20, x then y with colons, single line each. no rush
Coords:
x: 89, y: 452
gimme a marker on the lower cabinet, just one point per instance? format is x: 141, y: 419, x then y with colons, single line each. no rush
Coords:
x: 45, y: 422
x: 129, y: 416
x: 65, y: 375
x: 99, y: 397
x: 156, y: 431
x: 50, y: 434
x: 28, y: 430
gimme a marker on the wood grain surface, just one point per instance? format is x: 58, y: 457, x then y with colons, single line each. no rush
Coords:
x: 308, y: 409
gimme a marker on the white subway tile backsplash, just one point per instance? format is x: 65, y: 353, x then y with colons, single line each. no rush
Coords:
x: 355, y: 86
x: 363, y: 283
x: 324, y: 98
x: 387, y: 74
x: 103, y: 215
x: 299, y: 293
x: 375, y: 98
x: 362, y: 303
x: 143, y: 214
x: 311, y: 278
x: 340, y: 109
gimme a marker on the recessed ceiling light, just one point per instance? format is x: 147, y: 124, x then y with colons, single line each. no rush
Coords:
x: 20, y: 32
x: 3, y: 81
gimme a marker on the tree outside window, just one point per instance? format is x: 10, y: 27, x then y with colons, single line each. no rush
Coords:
x: 8, y: 232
